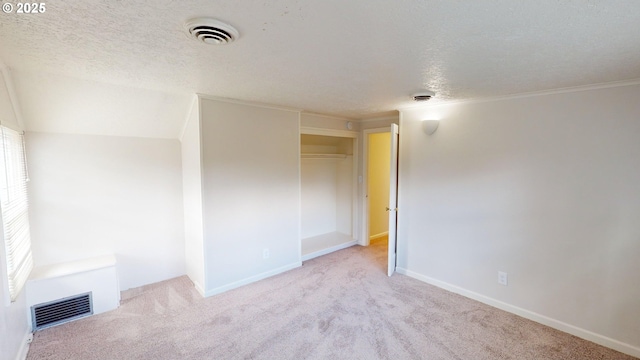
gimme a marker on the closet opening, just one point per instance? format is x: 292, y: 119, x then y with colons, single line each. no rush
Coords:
x: 328, y: 173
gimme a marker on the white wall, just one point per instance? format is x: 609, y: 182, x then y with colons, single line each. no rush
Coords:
x: 14, y: 326
x: 344, y: 195
x: 251, y: 192
x: 384, y: 122
x: 544, y: 188
x: 327, y: 122
x: 319, y: 199
x: 99, y: 195
x: 192, y: 192
x: 13, y: 316
x: 326, y: 196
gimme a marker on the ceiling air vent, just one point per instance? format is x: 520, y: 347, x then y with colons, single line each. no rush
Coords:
x: 423, y: 95
x: 211, y: 31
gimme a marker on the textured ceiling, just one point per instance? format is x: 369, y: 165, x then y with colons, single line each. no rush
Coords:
x: 352, y: 58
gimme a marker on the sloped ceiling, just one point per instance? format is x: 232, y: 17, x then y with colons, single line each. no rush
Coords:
x: 61, y: 104
x: 355, y: 59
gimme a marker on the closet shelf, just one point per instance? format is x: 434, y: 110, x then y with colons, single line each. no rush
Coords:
x: 324, y: 156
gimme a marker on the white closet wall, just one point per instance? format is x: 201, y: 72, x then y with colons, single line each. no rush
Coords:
x: 319, y: 196
x: 326, y: 196
x: 344, y: 196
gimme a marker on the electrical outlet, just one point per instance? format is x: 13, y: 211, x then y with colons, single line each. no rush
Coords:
x: 265, y: 253
x: 502, y: 278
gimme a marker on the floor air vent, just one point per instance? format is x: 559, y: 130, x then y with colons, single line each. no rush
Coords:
x: 60, y: 311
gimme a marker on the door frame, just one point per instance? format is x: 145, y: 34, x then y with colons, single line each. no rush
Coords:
x: 364, y: 230
x: 392, y: 208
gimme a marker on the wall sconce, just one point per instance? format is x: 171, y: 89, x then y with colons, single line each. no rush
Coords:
x: 430, y: 126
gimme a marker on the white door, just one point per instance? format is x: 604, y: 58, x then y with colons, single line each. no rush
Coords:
x: 393, y: 199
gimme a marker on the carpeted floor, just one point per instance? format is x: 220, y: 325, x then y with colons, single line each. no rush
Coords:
x: 338, y: 306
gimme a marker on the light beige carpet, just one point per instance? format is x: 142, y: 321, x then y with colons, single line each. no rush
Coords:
x: 339, y: 306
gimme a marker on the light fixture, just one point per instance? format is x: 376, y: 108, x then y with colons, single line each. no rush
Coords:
x: 430, y: 126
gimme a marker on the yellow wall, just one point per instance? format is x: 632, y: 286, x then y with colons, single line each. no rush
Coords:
x: 378, y: 178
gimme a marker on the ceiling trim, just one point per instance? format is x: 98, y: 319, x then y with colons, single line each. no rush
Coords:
x: 607, y: 85
x: 248, y: 103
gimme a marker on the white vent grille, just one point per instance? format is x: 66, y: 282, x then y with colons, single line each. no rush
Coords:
x: 211, y: 31
x: 423, y: 95
x: 60, y: 311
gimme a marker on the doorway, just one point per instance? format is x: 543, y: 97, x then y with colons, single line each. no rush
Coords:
x: 378, y: 162
x: 380, y: 184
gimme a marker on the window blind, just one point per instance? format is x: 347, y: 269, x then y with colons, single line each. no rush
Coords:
x: 15, y: 215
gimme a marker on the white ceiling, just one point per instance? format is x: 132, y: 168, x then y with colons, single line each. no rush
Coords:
x: 356, y: 58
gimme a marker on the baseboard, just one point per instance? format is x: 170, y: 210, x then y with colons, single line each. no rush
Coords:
x: 24, y: 346
x: 545, y: 320
x: 373, y: 237
x: 199, y: 288
x: 328, y: 250
x: 252, y: 279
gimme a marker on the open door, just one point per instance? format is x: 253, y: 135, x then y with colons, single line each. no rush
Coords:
x: 393, y: 199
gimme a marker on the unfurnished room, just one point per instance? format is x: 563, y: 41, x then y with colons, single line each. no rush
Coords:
x: 217, y: 179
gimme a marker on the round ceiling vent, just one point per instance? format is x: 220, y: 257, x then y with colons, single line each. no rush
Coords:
x: 211, y: 31
x: 423, y: 95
